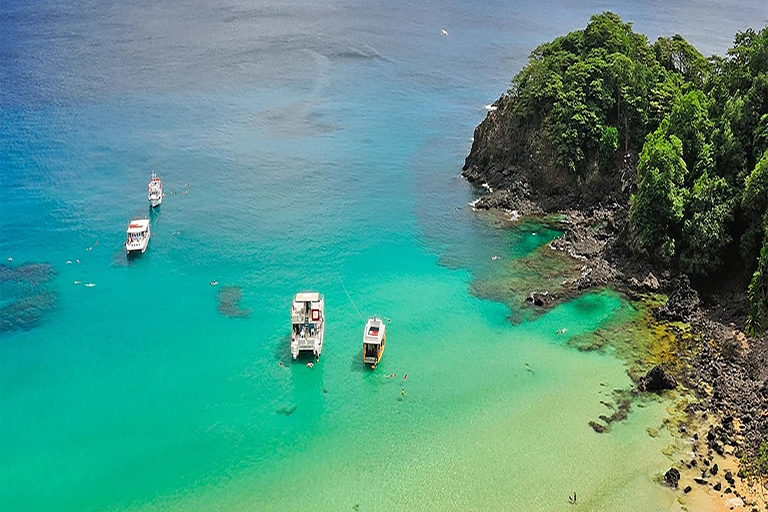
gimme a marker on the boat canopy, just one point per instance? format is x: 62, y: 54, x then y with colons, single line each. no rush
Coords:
x: 307, y: 297
x: 374, y: 331
x: 138, y: 226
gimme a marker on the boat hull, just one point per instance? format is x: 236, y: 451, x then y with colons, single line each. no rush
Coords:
x: 154, y: 203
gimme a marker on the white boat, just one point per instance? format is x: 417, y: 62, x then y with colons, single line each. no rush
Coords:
x: 155, y: 191
x: 374, y: 339
x: 138, y: 236
x: 307, y: 323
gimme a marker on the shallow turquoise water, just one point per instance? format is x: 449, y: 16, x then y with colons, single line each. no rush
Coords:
x: 318, y: 145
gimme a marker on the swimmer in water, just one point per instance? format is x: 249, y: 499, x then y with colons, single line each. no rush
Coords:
x: 405, y: 376
x: 310, y: 364
x: 402, y: 392
x: 282, y: 365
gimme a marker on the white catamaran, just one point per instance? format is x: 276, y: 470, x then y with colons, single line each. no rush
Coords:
x: 307, y: 323
x: 155, y: 191
x: 138, y: 236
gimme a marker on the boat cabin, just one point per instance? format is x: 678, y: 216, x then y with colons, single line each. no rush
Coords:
x: 374, y: 339
x: 307, y: 323
x: 137, y: 236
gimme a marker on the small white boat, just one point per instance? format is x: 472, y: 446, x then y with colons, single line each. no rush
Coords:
x: 307, y: 323
x: 138, y: 236
x: 155, y: 191
x: 374, y: 339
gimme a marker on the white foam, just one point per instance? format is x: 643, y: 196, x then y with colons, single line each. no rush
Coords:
x: 491, y: 108
x: 513, y: 215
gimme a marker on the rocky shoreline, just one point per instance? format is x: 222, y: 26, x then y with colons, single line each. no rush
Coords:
x: 714, y: 360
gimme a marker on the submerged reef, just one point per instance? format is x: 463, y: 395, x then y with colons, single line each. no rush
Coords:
x: 229, y: 298
x: 25, y: 299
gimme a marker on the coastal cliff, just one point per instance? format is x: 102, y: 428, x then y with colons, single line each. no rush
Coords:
x: 655, y: 199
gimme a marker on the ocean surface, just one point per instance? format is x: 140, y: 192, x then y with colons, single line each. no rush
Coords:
x: 302, y: 146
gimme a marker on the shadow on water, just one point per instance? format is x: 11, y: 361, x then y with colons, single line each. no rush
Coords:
x: 282, y: 350
x: 26, y: 301
x: 356, y: 364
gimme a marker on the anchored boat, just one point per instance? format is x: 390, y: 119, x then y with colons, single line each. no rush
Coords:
x: 374, y: 339
x: 155, y: 191
x: 307, y: 323
x: 138, y: 236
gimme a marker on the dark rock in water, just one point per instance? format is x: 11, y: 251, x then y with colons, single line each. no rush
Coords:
x: 540, y: 298
x: 714, y: 469
x: 229, y: 302
x: 718, y: 486
x: 700, y: 481
x: 729, y: 477
x: 687, y: 489
x: 672, y: 477
x: 656, y: 380
x: 682, y: 301
x: 597, y: 427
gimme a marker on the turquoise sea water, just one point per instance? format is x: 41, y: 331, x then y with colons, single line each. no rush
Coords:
x: 318, y: 145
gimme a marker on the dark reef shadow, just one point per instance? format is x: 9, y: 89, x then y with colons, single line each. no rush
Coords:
x: 27, y: 300
x: 229, y: 298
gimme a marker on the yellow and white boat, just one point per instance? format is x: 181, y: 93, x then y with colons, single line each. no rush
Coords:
x: 374, y: 339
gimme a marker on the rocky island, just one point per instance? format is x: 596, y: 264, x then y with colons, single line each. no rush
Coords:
x: 655, y: 160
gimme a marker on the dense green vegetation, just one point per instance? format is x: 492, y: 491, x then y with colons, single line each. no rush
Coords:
x: 699, y: 126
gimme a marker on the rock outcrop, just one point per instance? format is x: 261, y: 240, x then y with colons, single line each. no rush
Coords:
x: 656, y: 380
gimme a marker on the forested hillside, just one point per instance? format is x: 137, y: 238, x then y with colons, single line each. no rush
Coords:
x: 692, y: 129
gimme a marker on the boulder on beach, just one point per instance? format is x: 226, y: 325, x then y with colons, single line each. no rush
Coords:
x: 672, y: 477
x: 656, y: 380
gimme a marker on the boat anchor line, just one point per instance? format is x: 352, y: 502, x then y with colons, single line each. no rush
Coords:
x: 350, y: 299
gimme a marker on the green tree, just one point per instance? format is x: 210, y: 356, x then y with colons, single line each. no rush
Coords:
x: 758, y: 293
x: 677, y: 54
x: 705, y: 230
x: 689, y: 122
x: 657, y: 207
x: 754, y: 204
